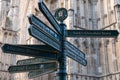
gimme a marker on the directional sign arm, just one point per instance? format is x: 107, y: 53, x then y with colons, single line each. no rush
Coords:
x: 92, y: 33
x: 44, y: 48
x: 49, y: 16
x: 32, y: 67
x: 75, y: 53
x: 74, y: 49
x: 26, y: 51
x: 43, y: 27
x: 34, y: 61
x: 33, y: 74
x: 77, y: 58
x: 46, y: 38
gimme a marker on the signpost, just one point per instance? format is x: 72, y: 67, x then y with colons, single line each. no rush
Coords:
x: 49, y: 16
x: 61, y: 14
x: 42, y: 36
x: 92, y: 33
x: 43, y: 27
x: 32, y: 67
x: 56, y: 48
x: 75, y: 53
x: 27, y: 51
x: 34, y: 61
x: 44, y: 48
x: 33, y: 74
x: 73, y: 50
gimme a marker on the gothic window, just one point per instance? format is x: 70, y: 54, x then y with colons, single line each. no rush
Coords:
x: 90, y: 23
x: 101, y: 9
x: 85, y: 12
x: 5, y: 37
x: 14, y: 39
x: 6, y: 66
x: 77, y: 77
x: 76, y: 20
x: 85, y: 78
x: 110, y: 77
x: 114, y: 55
x: 76, y: 42
x: 112, y: 16
x: 105, y: 20
x: 78, y: 13
x: 2, y: 66
x: 5, y: 78
x: 7, y: 23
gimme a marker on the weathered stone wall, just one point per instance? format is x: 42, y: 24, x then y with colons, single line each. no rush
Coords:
x: 102, y: 54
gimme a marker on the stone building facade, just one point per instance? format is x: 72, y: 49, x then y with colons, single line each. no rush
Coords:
x: 8, y: 34
x: 102, y: 54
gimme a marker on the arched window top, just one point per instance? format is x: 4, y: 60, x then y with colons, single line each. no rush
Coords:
x: 8, y: 23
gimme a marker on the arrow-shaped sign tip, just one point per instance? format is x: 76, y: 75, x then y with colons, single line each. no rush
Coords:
x: 117, y: 33
x: 29, y: 30
x: 4, y: 47
x: 9, y: 69
x: 29, y: 18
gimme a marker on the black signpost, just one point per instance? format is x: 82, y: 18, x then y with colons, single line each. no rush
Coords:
x: 32, y: 67
x: 27, y: 51
x: 33, y: 74
x: 42, y: 36
x: 49, y: 16
x: 43, y: 27
x: 56, y: 47
x: 34, y: 60
x: 44, y: 48
x: 92, y: 33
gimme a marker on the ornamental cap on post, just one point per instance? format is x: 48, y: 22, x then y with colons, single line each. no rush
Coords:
x: 61, y: 14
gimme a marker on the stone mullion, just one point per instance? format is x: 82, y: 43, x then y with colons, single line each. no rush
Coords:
x: 84, y: 47
x: 82, y: 14
x: 101, y: 14
x: 93, y: 4
x: 87, y: 14
x: 77, y: 43
x: 103, y: 57
x: 117, y: 48
x: 4, y: 9
x: 88, y: 56
x: 106, y: 57
x: 117, y: 43
x: 115, y: 61
x: 97, y: 53
x: 110, y: 56
x: 108, y: 12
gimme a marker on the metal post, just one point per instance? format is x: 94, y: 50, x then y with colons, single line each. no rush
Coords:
x: 62, y: 74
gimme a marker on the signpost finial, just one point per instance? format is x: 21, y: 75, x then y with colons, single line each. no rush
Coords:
x: 61, y: 14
